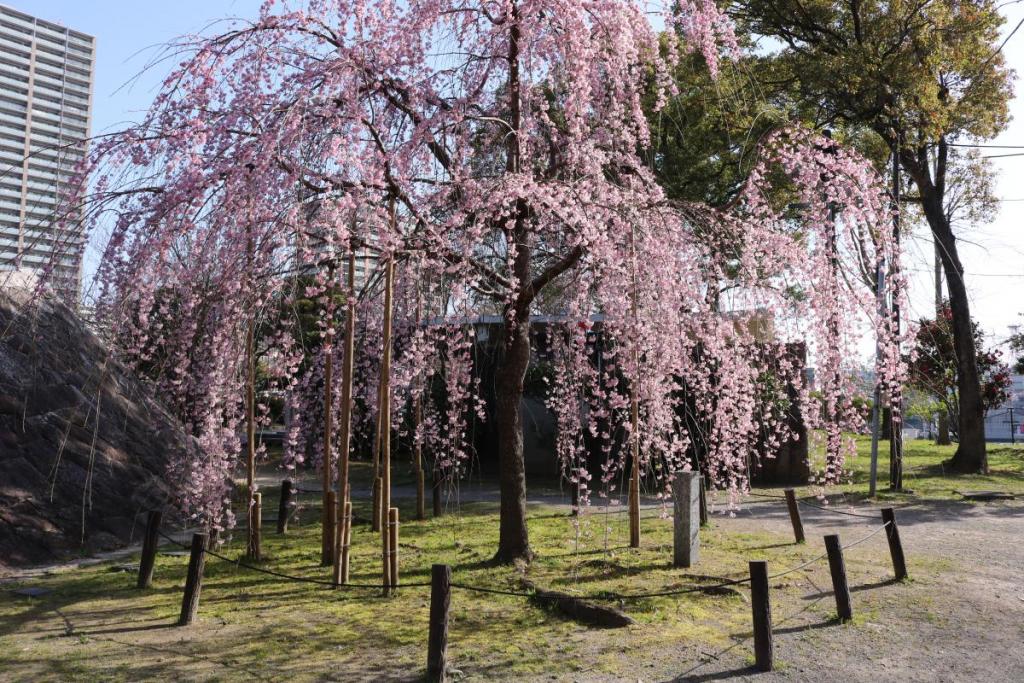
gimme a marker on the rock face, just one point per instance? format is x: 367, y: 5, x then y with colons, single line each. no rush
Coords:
x: 83, y: 445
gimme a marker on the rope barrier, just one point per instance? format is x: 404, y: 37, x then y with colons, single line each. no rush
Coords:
x: 300, y: 579
x: 595, y: 597
x: 812, y: 505
x: 682, y: 591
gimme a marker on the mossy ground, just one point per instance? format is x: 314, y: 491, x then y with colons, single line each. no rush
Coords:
x: 94, y: 625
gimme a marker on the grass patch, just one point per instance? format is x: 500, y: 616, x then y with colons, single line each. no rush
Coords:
x: 95, y: 625
x: 925, y: 475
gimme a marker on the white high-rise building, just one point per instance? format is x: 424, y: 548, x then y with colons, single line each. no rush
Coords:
x: 46, y: 75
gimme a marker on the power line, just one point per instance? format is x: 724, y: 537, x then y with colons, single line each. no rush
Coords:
x: 983, y: 146
x: 1000, y: 48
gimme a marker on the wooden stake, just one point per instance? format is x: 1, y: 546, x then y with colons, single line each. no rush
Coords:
x: 284, y: 507
x: 393, y: 543
x: 794, y: 516
x: 440, y: 602
x: 892, y: 532
x: 193, y: 580
x: 344, y: 536
x: 837, y: 567
x: 378, y: 484
x: 421, y: 505
x: 435, y: 494
x: 149, y: 545
x: 331, y: 506
x: 634, y: 479
x: 762, y: 612
x: 250, y: 430
x: 385, y: 411
x: 341, y: 572
x: 256, y: 527
x: 634, y: 503
x: 704, y: 519
x: 327, y: 511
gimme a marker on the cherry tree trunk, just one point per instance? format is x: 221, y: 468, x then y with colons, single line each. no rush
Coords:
x: 513, y: 542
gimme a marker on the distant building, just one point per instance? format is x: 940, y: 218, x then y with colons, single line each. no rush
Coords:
x: 46, y: 74
x: 999, y: 421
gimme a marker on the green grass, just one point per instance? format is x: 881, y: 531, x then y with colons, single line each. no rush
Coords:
x: 925, y: 475
x: 96, y: 626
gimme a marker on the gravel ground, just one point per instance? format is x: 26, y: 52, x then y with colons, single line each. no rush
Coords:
x: 961, y: 618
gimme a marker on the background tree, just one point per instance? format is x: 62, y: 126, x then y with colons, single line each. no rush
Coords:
x: 934, y: 367
x: 1016, y: 343
x: 919, y: 75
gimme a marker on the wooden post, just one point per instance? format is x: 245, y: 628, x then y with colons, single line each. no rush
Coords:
x: 341, y: 571
x: 892, y: 532
x: 634, y: 434
x: 385, y: 410
x: 253, y: 545
x: 837, y: 566
x: 393, y: 542
x: 762, y: 611
x: 284, y: 508
x: 327, y: 511
x: 421, y: 501
x: 704, y: 519
x: 437, y: 643
x: 344, y: 532
x: 794, y: 516
x: 435, y: 494
x: 330, y: 525
x: 149, y: 544
x: 194, y: 580
x: 256, y: 527
x: 378, y: 483
x: 634, y: 479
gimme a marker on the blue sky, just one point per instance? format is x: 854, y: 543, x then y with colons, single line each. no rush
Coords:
x: 130, y: 32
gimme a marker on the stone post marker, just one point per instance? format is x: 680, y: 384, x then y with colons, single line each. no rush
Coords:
x: 686, y: 493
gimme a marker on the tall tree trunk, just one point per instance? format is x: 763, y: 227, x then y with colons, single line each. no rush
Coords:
x: 513, y: 541
x: 970, y: 456
x: 513, y: 538
x: 942, y: 438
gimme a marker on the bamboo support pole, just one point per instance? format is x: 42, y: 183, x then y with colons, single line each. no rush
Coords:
x: 344, y: 536
x: 634, y: 479
x: 327, y: 512
x: 253, y: 542
x: 393, y: 546
x: 385, y: 414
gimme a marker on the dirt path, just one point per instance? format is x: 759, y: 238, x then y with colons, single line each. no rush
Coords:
x: 960, y: 619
